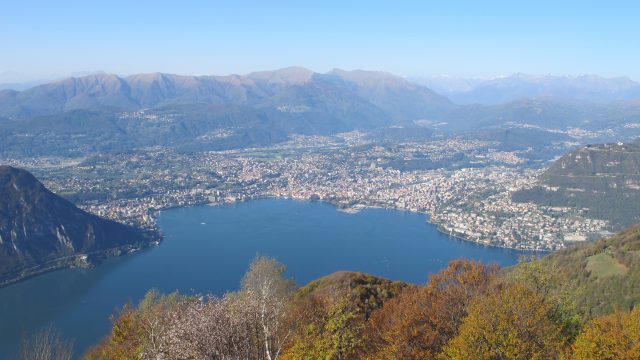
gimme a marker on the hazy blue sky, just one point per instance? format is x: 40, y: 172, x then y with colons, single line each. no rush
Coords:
x: 468, y: 38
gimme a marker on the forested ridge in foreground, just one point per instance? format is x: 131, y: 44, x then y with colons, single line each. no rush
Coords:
x: 579, y: 303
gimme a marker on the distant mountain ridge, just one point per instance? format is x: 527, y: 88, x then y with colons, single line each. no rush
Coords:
x: 270, y: 89
x: 11, y: 80
x: 104, y: 112
x: 41, y: 231
x: 590, y: 88
x: 549, y: 113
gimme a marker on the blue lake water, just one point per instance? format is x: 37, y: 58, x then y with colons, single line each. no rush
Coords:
x: 208, y: 249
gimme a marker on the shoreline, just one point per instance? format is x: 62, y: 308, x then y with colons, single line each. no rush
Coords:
x: 460, y: 237
x: 96, y: 258
x: 83, y: 261
x: 357, y: 208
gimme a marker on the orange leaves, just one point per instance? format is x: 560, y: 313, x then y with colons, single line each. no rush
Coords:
x: 466, y: 311
x: 125, y: 340
x: 615, y: 336
x: 420, y: 321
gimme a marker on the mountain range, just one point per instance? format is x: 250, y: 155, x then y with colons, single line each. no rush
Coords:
x: 105, y: 112
x: 11, y: 80
x: 291, y: 90
x: 500, y: 90
x: 40, y: 231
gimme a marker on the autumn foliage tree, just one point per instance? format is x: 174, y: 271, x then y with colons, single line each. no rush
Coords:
x: 328, y: 315
x: 466, y: 311
x: 510, y: 322
x: 332, y: 332
x: 420, y: 321
x: 138, y: 332
x: 247, y: 324
x: 615, y: 336
x: 540, y: 278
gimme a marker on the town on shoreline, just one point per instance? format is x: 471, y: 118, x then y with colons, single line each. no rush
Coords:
x: 464, y: 186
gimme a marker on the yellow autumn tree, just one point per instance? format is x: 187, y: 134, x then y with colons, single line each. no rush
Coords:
x: 510, y: 322
x: 615, y: 336
x: 334, y: 336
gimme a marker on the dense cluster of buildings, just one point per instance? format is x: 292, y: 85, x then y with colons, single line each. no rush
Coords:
x: 470, y: 200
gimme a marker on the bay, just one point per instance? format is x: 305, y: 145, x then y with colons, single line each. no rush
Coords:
x: 208, y: 249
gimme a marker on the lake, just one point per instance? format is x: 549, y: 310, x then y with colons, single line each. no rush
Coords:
x: 208, y: 249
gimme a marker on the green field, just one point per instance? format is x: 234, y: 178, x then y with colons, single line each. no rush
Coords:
x: 603, y: 265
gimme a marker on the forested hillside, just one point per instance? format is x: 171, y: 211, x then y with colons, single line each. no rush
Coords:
x: 590, y: 177
x: 601, y: 277
x: 40, y: 231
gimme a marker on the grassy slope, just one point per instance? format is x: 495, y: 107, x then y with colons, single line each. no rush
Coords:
x: 601, y: 276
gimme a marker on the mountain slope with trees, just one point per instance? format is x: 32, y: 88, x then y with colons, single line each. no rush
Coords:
x: 592, y: 176
x: 40, y: 231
